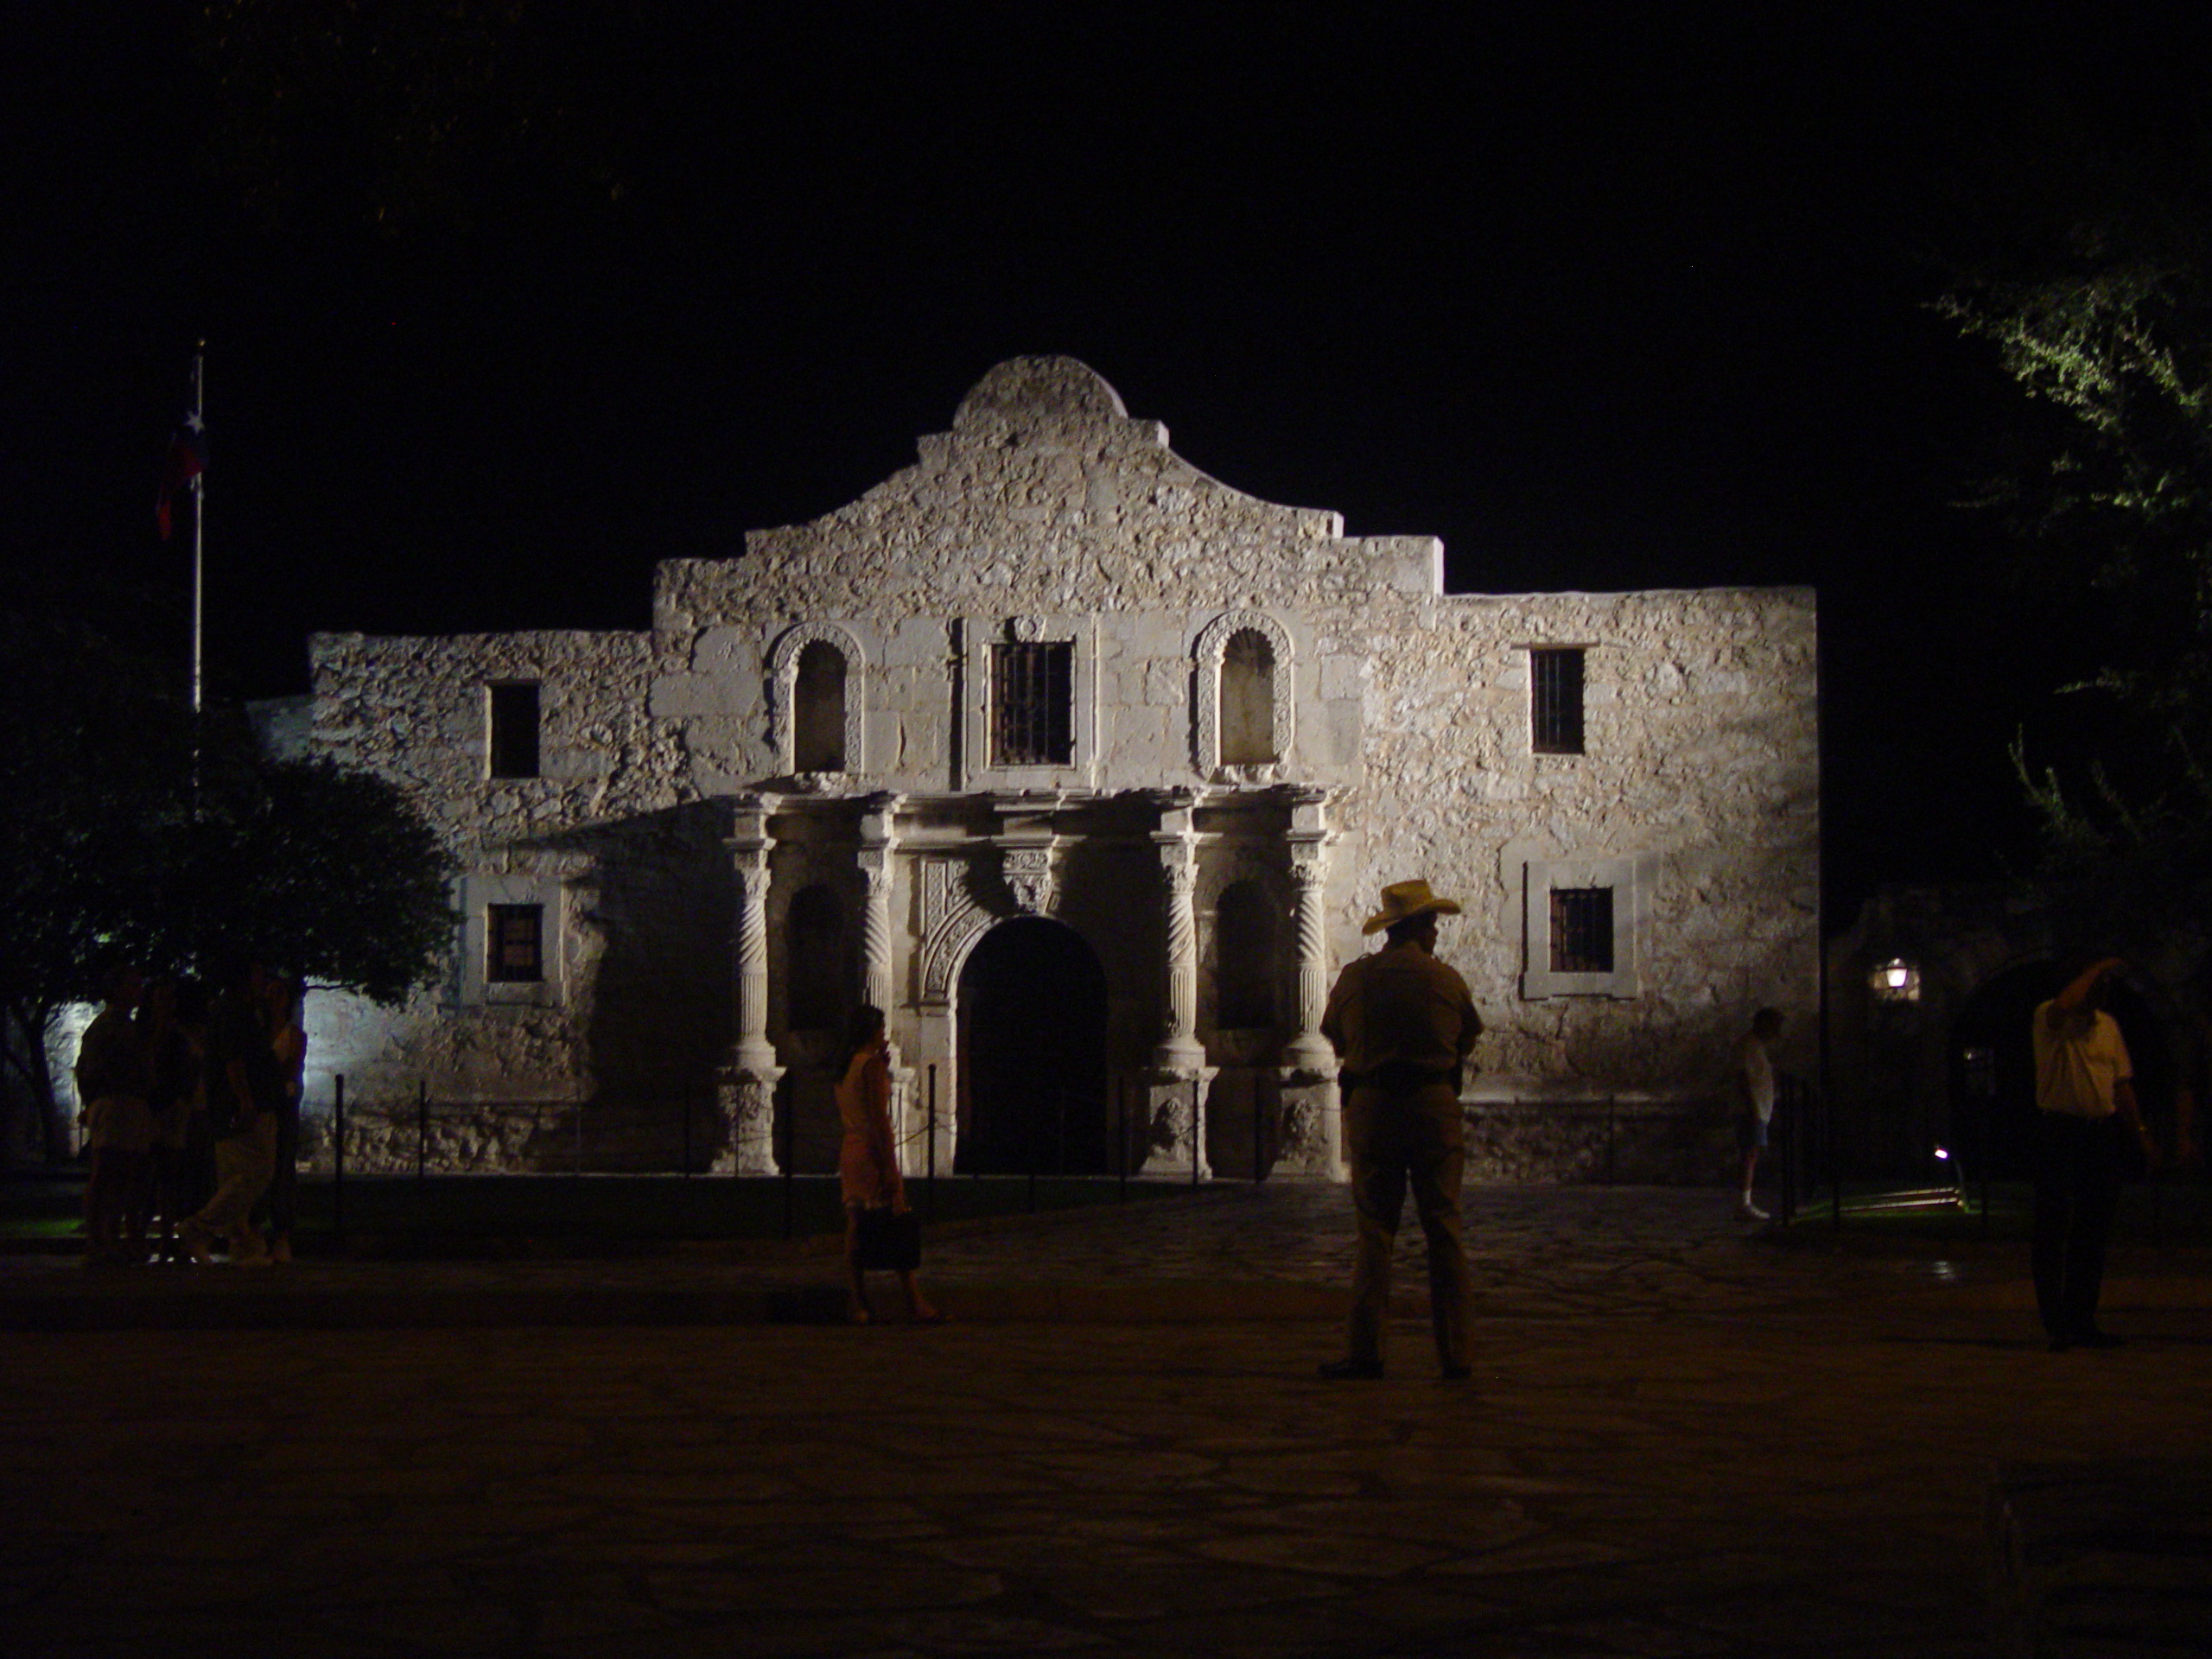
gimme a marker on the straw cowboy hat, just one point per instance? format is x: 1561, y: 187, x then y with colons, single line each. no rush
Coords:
x: 1403, y: 900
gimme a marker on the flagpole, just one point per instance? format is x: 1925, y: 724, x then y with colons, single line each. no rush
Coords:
x: 199, y: 531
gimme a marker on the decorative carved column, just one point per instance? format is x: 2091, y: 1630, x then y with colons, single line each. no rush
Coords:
x: 1311, y: 1140
x: 1179, y: 1074
x: 879, y: 975
x: 878, y: 839
x: 747, y: 1086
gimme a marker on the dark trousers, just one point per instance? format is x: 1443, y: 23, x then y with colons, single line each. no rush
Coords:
x: 2077, y: 1192
x: 285, y: 1180
x: 1415, y: 1139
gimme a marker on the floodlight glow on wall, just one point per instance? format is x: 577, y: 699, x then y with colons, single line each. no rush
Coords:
x: 1895, y: 981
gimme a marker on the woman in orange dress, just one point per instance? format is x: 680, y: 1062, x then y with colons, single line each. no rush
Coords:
x: 868, y: 1163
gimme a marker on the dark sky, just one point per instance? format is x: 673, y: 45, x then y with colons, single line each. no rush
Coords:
x: 1615, y: 297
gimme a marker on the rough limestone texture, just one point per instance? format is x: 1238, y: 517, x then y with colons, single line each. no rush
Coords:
x: 680, y: 824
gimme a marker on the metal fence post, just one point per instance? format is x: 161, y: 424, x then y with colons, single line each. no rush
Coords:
x: 1988, y: 1149
x: 1122, y: 1140
x: 1836, y: 1175
x: 790, y: 1141
x: 1196, y: 1133
x: 929, y: 1189
x: 421, y: 1126
x: 338, y: 1157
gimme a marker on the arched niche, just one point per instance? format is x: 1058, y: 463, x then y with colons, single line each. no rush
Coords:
x: 817, y: 961
x: 1246, y: 707
x: 1247, y: 957
x: 817, y: 677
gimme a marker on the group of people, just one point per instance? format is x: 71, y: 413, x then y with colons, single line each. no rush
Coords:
x: 192, y: 1116
x: 1403, y: 1025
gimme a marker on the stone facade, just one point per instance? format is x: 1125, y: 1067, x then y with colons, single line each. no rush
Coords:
x: 1054, y: 674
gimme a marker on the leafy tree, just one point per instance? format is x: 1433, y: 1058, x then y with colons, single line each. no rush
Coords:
x: 2107, y: 330
x: 131, y: 830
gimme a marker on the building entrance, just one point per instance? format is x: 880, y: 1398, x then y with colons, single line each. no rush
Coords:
x: 1032, y: 1043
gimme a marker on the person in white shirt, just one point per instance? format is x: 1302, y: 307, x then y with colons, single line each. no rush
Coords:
x: 1754, y: 1101
x: 2085, y: 1091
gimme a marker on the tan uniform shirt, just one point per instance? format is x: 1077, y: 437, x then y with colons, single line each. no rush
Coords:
x: 1402, y: 1009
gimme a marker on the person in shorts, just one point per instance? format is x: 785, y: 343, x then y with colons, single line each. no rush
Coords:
x: 1754, y: 1083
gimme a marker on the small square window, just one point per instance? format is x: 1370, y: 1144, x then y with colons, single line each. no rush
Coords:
x: 1033, y: 703
x: 1555, y: 700
x: 513, y: 719
x: 1582, y: 931
x: 514, y: 943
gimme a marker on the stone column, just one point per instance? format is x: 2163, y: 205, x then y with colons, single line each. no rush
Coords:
x: 1179, y: 1076
x: 879, y: 966
x: 747, y: 1086
x: 1311, y: 1140
x: 878, y: 844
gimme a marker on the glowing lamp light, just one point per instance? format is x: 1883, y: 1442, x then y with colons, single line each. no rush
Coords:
x: 1943, y: 1153
x: 1895, y: 981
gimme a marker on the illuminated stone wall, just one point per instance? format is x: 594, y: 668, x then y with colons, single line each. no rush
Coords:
x: 1046, y: 513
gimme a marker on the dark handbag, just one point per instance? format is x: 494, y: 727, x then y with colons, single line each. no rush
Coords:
x: 890, y: 1240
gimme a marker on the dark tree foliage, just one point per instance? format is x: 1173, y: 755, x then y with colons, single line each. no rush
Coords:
x: 132, y: 832
x: 2104, y: 324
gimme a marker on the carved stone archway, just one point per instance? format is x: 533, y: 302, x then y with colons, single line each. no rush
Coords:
x: 1206, y: 654
x: 783, y: 692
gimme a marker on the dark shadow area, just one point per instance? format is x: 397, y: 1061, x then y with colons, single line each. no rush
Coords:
x: 1033, y: 1089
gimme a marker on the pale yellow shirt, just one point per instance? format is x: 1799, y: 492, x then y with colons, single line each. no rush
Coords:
x: 2078, y: 1066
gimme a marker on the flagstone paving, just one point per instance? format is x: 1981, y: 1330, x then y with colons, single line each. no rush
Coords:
x: 1679, y: 1441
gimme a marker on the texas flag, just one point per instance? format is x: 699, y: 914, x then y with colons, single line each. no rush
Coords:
x: 187, y: 460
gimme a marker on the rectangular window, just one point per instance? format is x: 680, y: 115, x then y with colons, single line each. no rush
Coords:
x: 1582, y: 929
x: 513, y: 717
x: 1033, y: 704
x: 1555, y: 700
x: 514, y: 943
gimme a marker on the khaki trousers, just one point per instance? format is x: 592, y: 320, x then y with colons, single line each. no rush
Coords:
x: 1416, y: 1139
x: 244, y: 1164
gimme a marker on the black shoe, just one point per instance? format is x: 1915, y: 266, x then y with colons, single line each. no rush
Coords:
x: 2094, y: 1337
x: 1338, y: 1370
x: 1458, y: 1373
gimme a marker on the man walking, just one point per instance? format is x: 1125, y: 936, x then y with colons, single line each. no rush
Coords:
x: 2085, y: 1089
x: 1402, y: 1023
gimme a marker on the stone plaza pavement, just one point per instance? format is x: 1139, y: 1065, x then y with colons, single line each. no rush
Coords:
x: 1681, y: 1438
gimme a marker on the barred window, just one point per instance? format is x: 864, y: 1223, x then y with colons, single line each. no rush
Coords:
x: 1555, y: 700
x: 1582, y: 929
x: 1033, y: 703
x: 515, y: 943
x: 512, y: 714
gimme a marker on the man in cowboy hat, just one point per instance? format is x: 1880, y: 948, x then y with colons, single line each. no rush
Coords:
x: 1402, y: 1024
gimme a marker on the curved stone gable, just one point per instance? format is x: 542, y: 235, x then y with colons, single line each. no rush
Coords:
x: 1043, y: 473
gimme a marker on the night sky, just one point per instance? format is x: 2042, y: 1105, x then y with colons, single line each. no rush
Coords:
x: 1621, y: 297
